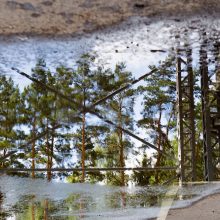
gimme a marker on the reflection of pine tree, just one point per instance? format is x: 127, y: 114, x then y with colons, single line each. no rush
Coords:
x: 97, y: 143
x: 31, y: 111
x: 142, y: 178
x: 120, y: 110
x: 84, y: 89
x: 159, y: 101
x: 9, y: 118
x: 85, y: 93
x: 43, y: 110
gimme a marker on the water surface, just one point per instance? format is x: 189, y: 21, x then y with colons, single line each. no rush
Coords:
x: 137, y: 42
x: 24, y: 198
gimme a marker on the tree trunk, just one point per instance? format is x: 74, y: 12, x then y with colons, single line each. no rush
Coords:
x: 158, y: 144
x: 48, y: 154
x: 51, y: 149
x: 53, y: 136
x: 4, y: 154
x: 169, y: 121
x: 46, y: 209
x: 121, y: 145
x: 33, y: 212
x: 83, y: 138
x: 123, y: 199
x: 33, y: 147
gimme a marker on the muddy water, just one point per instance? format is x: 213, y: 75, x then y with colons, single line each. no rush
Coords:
x: 25, y: 199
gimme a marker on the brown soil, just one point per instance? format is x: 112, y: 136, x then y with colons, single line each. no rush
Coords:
x: 207, y: 208
x: 67, y: 17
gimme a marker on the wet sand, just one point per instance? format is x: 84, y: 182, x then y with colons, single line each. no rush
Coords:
x: 70, y: 17
x: 207, y: 208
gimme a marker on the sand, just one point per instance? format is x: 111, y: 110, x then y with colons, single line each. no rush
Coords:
x: 205, y: 209
x: 70, y: 17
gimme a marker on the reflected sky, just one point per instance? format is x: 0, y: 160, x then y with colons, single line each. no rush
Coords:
x: 137, y: 42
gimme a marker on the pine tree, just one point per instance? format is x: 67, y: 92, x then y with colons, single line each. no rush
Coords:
x: 45, y: 110
x: 142, y: 178
x: 120, y: 110
x: 9, y: 118
x: 31, y: 120
x: 159, y: 111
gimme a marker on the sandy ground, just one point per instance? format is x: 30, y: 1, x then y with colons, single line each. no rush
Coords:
x: 206, y: 209
x: 68, y: 17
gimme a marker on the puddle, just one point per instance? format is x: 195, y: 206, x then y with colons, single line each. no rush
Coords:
x: 139, y: 43
x: 24, y: 198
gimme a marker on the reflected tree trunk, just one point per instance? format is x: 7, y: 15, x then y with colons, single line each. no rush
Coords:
x: 33, y: 211
x: 46, y: 203
x: 83, y: 137
x: 123, y: 199
x: 81, y: 209
x: 4, y: 154
x: 33, y: 147
x: 52, y: 150
x: 1, y: 201
x: 158, y: 144
x: 48, y: 154
x: 121, y: 145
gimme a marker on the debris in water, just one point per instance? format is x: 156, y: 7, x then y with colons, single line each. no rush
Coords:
x: 139, y: 5
x: 161, y: 51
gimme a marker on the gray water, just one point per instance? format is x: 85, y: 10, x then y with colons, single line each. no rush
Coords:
x: 23, y: 197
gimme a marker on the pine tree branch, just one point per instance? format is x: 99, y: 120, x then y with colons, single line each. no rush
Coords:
x: 92, y: 111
